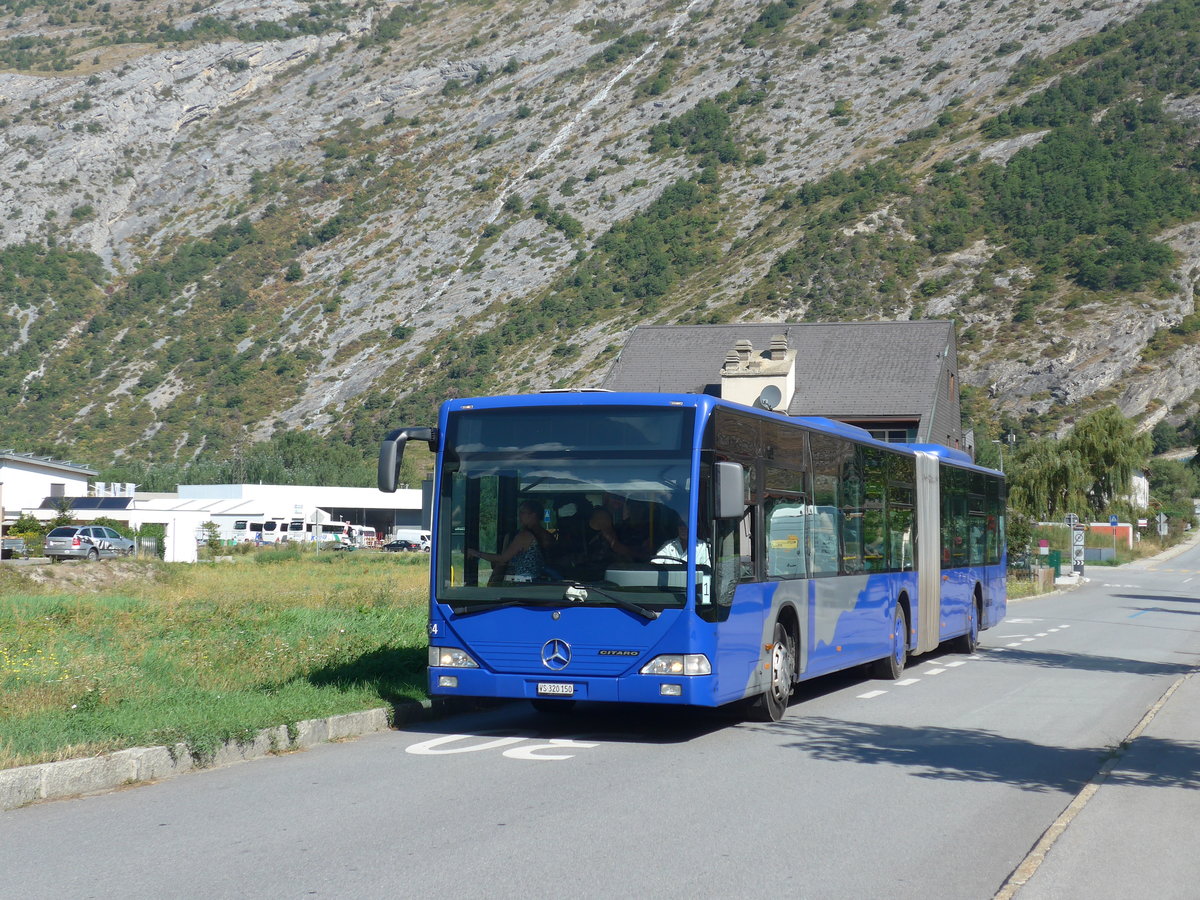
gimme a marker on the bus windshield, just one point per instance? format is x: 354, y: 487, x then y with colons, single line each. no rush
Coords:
x: 588, y: 504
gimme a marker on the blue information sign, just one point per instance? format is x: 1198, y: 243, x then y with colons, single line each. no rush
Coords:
x: 1112, y: 520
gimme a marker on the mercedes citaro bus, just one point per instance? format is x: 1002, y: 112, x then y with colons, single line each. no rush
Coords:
x: 683, y: 549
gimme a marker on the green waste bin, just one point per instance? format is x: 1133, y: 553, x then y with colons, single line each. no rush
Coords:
x: 1055, y: 562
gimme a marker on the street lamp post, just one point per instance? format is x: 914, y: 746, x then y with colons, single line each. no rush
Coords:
x: 1000, y: 444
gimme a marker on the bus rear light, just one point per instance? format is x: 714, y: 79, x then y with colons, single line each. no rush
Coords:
x: 678, y: 664
x: 451, y: 657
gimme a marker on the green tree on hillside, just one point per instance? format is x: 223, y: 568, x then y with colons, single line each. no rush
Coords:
x: 1111, y: 451
x: 1086, y: 471
x: 1046, y: 480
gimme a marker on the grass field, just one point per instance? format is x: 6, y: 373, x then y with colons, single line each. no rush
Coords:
x: 103, y: 656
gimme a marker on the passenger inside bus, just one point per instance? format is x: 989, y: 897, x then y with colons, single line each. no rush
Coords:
x: 523, y: 558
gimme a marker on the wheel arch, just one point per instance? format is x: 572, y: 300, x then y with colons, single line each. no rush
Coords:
x: 789, y: 617
x: 904, y: 603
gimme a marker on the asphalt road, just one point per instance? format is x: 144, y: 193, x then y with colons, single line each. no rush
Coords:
x: 936, y: 786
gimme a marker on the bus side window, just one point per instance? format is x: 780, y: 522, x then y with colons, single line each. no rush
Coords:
x: 786, y: 537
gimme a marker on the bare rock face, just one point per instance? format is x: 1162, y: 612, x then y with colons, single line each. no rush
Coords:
x: 464, y: 108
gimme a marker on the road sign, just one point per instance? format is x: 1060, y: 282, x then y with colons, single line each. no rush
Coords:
x: 1162, y: 524
x: 1112, y: 521
x: 1077, y: 549
x: 1071, y: 519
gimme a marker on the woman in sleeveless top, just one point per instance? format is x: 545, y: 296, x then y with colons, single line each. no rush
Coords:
x: 522, y: 558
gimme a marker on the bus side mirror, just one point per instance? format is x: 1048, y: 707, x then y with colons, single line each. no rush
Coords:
x: 730, y: 478
x: 391, y: 453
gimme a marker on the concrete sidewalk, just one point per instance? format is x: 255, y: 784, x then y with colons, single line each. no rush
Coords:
x: 1132, y: 832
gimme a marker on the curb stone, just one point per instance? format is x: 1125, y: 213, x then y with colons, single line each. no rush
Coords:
x: 141, y: 765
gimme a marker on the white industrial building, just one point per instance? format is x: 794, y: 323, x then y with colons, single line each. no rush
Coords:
x: 241, y: 512
x: 26, y: 481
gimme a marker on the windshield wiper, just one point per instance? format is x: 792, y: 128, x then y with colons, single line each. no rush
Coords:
x: 472, y: 608
x: 578, y: 593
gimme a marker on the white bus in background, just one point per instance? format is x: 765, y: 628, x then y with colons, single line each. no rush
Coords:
x: 268, y: 531
x: 344, y: 533
x: 279, y: 529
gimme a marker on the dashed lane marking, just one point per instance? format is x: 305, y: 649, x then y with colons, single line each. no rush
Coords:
x: 907, y: 681
x: 1017, y: 644
x: 870, y: 694
x: 955, y: 664
x: 933, y: 671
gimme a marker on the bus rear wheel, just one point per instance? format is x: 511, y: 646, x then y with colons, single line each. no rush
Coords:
x: 892, y: 665
x: 969, y: 642
x: 772, y: 704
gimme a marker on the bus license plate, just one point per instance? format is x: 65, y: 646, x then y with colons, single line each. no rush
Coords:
x: 545, y: 687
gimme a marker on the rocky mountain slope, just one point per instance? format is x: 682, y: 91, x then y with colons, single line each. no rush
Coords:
x: 230, y: 218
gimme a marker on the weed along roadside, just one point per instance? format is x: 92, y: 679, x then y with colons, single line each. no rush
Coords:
x: 140, y: 670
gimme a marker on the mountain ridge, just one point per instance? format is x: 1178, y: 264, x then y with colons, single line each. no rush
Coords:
x: 386, y: 204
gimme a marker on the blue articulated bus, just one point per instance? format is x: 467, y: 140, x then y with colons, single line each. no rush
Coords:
x: 683, y: 549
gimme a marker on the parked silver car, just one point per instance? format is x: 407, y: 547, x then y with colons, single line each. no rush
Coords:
x: 86, y: 542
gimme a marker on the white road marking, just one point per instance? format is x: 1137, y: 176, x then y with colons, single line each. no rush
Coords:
x: 530, y: 749
x: 531, y: 752
x: 1017, y: 644
x: 1064, y: 626
x: 907, y: 681
x: 433, y: 747
x: 1186, y: 580
x: 1052, y: 630
x: 1022, y: 621
x: 933, y: 671
x: 1027, y: 640
x: 955, y: 664
x: 869, y: 694
x: 1043, y: 634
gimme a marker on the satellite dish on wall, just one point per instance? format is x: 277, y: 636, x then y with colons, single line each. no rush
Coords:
x: 769, y: 398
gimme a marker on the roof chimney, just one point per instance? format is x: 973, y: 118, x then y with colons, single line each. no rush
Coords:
x: 746, y: 376
x: 779, y: 346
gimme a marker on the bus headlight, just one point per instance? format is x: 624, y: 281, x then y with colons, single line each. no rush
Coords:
x: 451, y: 657
x: 678, y: 664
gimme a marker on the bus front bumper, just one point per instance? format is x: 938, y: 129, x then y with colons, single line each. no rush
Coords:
x: 692, y: 690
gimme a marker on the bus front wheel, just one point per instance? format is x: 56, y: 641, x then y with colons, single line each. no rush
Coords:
x: 772, y: 704
x: 892, y: 665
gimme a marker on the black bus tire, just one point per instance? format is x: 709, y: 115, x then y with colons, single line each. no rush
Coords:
x: 892, y: 665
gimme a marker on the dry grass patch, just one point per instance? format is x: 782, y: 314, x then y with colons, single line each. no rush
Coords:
x: 149, y: 653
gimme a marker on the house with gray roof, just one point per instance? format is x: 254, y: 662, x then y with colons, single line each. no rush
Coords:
x: 897, y: 380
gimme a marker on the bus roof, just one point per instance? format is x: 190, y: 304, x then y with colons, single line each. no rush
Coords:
x: 705, y: 402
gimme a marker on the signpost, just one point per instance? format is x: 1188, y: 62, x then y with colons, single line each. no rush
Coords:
x: 1112, y: 523
x: 1077, y: 549
x: 1162, y: 524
